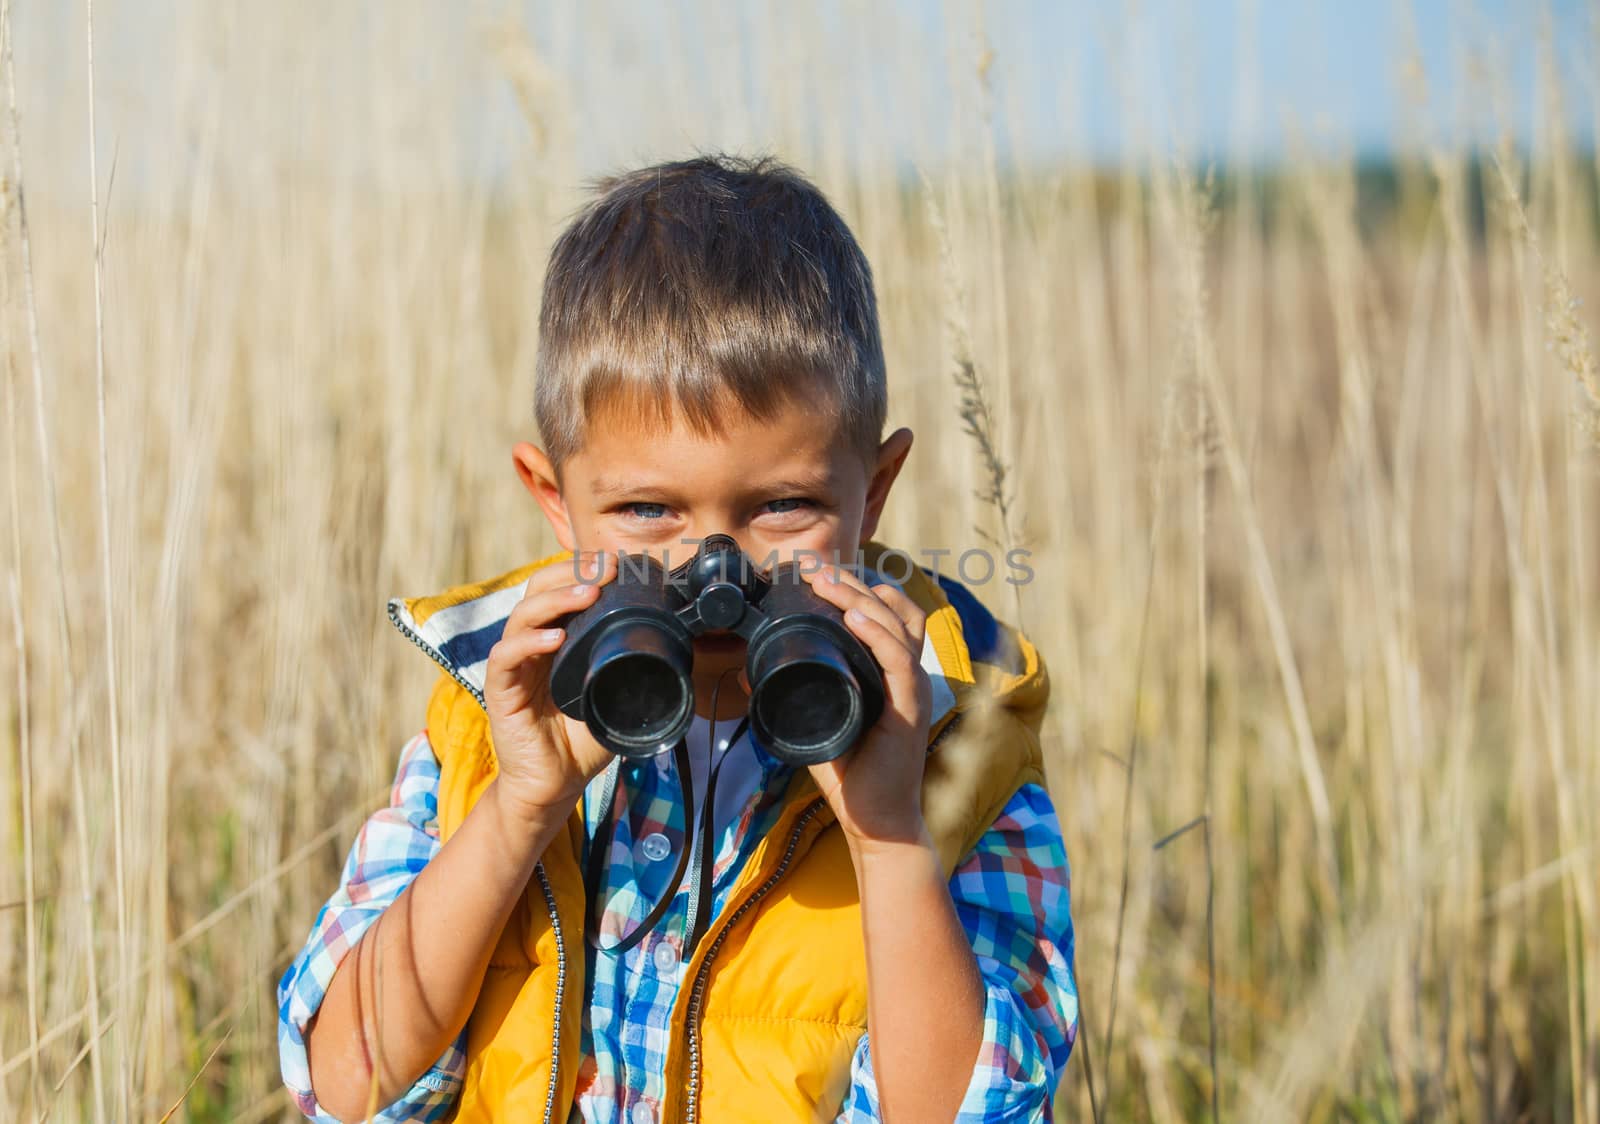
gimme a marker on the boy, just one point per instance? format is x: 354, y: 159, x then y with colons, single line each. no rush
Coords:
x: 709, y: 360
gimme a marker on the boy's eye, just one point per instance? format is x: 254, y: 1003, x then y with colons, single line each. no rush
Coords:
x: 788, y: 504
x: 643, y: 510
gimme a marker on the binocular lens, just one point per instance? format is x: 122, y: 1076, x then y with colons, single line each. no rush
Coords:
x: 625, y: 667
x: 638, y: 688
x: 805, y: 703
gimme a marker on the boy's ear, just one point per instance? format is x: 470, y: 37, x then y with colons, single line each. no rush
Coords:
x: 539, y: 477
x: 891, y: 456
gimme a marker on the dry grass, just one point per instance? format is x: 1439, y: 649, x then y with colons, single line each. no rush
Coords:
x: 1311, y: 489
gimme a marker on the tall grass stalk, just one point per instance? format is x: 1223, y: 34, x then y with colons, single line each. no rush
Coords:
x: 35, y: 1089
x: 124, y: 1091
x: 1569, y: 341
x: 34, y: 1098
x: 80, y: 816
x: 974, y: 407
x: 1192, y: 219
x: 1192, y: 257
x: 1131, y: 759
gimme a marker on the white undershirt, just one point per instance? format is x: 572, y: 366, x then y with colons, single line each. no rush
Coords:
x: 738, y: 777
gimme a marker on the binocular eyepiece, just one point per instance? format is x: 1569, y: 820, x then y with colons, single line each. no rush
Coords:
x: 624, y: 667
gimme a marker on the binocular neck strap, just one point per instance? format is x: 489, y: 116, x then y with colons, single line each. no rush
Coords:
x: 700, y: 877
x: 701, y: 850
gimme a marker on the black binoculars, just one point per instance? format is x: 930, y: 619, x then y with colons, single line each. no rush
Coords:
x: 624, y: 667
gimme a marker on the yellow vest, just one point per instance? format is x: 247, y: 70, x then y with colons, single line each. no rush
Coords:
x: 775, y: 999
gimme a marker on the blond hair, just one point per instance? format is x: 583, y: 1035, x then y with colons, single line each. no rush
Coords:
x: 701, y: 285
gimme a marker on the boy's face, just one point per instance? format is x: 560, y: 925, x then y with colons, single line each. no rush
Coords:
x: 777, y: 487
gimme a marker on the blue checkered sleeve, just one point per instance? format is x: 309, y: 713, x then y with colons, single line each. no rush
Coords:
x: 392, y: 847
x: 1012, y: 894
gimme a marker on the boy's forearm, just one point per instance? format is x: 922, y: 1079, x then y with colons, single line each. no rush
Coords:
x: 925, y: 994
x: 405, y: 991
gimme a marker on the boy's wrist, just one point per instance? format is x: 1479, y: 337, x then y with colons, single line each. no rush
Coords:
x: 912, y: 839
x: 527, y: 827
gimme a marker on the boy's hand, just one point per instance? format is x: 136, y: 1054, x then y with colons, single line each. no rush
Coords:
x: 875, y: 790
x: 546, y: 759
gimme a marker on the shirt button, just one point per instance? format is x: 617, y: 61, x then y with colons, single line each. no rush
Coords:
x: 666, y: 958
x: 641, y: 1113
x: 655, y: 846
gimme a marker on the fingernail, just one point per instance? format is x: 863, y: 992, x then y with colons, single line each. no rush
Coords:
x: 546, y: 635
x: 856, y: 615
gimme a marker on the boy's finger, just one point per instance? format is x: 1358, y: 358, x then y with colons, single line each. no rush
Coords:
x: 911, y: 617
x: 909, y: 612
x: 512, y: 651
x: 901, y: 669
x: 850, y: 597
x: 552, y: 591
x: 574, y: 570
x: 844, y: 575
x: 510, y: 656
x: 537, y: 610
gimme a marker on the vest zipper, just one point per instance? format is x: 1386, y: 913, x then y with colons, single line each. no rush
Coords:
x: 561, y: 984
x: 538, y: 869
x: 697, y: 996
x: 433, y: 653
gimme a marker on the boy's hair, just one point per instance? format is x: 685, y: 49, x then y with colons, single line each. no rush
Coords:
x: 708, y: 283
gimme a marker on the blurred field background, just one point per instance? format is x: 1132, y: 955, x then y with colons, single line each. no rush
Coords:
x: 1305, y: 443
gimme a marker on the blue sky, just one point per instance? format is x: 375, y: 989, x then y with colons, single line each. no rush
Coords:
x: 413, y: 88
x: 1077, y: 79
x: 1241, y: 75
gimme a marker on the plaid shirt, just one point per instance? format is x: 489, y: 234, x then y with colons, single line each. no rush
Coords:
x: 1011, y: 894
